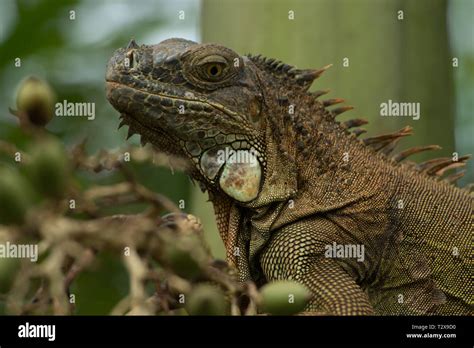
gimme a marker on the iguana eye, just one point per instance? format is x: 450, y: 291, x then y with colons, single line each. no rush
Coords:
x: 214, y: 70
x: 211, y: 67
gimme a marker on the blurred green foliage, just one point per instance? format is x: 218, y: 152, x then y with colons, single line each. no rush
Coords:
x: 98, y: 289
x: 72, y: 55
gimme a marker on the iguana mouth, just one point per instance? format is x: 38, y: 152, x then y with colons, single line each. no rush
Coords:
x: 179, y: 116
x: 121, y: 94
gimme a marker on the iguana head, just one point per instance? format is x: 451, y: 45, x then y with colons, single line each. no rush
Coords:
x: 202, y: 102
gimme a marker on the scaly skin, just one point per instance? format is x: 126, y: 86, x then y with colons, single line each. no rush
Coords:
x: 313, y: 182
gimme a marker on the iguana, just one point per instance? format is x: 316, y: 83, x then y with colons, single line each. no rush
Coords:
x: 288, y: 182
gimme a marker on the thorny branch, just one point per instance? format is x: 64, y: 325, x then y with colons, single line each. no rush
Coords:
x: 68, y: 246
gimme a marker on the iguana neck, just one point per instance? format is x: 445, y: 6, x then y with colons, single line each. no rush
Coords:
x: 292, y: 191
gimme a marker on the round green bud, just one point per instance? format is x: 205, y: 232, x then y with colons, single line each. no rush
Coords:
x: 49, y: 168
x: 284, y: 297
x: 15, y: 196
x: 184, y: 255
x: 206, y: 299
x: 36, y: 99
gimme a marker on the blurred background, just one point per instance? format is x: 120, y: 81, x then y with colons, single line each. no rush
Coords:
x: 407, y: 60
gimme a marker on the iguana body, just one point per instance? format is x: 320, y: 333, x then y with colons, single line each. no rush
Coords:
x: 313, y: 185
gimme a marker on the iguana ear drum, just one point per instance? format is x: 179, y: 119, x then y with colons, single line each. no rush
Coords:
x: 241, y: 179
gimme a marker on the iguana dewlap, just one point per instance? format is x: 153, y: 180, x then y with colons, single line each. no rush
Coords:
x: 297, y: 194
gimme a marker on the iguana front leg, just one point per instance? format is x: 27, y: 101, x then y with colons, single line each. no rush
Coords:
x: 297, y: 252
